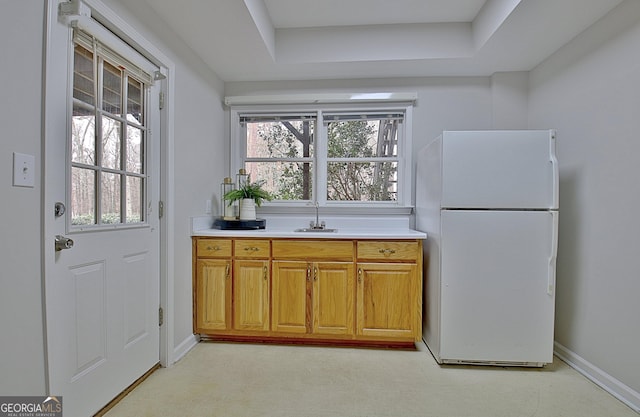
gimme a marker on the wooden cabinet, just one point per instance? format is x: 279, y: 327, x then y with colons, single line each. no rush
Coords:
x: 387, y: 304
x: 316, y: 290
x: 389, y: 290
x: 332, y: 298
x: 251, y: 294
x: 313, y: 297
x: 212, y: 284
x: 251, y: 283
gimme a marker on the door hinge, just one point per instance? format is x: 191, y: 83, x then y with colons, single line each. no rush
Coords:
x: 161, y: 100
x: 160, y: 316
x: 160, y: 209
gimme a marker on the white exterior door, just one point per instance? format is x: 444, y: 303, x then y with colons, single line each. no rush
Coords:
x: 102, y: 294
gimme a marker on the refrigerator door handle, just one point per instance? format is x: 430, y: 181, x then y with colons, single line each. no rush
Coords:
x: 551, y: 273
x: 554, y: 171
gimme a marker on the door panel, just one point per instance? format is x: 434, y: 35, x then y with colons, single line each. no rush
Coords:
x: 213, y: 289
x: 495, y: 279
x: 290, y: 310
x: 251, y: 295
x: 333, y: 298
x: 387, y: 299
x: 499, y: 169
x: 88, y: 282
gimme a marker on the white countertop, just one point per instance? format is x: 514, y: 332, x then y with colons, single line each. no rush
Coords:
x: 387, y: 227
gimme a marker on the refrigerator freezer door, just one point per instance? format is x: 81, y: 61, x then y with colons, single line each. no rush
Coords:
x: 495, y: 303
x: 499, y: 169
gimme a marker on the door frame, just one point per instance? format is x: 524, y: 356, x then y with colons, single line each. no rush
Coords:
x: 124, y: 30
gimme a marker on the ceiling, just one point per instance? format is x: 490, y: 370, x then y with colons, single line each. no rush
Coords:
x: 258, y: 40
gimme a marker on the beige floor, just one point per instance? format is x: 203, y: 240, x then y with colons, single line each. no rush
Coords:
x: 244, y: 380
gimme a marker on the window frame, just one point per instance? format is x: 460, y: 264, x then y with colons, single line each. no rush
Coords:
x: 237, y: 150
x: 102, y: 53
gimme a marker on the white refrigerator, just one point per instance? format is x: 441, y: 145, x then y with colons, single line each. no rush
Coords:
x: 488, y: 201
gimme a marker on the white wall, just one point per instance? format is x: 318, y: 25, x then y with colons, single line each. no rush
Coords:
x: 589, y: 91
x: 447, y: 103
x: 21, y: 332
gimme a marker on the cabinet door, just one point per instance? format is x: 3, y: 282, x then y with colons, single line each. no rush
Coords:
x: 333, y: 294
x: 388, y: 300
x: 251, y: 295
x: 213, y: 295
x: 290, y: 311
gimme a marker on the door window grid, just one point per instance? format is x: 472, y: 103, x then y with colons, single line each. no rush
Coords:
x: 108, y: 178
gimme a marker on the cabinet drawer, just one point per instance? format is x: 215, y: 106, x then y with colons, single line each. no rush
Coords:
x: 253, y: 249
x: 213, y: 248
x: 309, y: 249
x: 390, y: 251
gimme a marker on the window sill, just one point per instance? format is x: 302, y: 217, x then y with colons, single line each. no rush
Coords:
x: 333, y: 210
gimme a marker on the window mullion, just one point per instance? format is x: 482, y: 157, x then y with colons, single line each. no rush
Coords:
x: 99, y: 135
x: 123, y: 147
x: 320, y: 173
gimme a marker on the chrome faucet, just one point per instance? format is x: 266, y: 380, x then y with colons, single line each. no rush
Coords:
x: 318, y: 224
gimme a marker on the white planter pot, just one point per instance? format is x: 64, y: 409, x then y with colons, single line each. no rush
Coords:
x: 247, y: 209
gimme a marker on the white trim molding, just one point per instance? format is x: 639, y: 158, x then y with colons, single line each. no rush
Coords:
x: 376, y: 97
x: 605, y: 381
x: 184, y: 347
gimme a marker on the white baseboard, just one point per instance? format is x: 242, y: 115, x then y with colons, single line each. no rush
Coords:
x: 607, y: 382
x: 184, y: 347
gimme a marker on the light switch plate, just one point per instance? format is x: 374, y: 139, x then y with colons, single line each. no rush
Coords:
x: 23, y: 170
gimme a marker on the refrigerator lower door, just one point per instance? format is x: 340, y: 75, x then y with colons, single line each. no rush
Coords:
x: 496, y: 306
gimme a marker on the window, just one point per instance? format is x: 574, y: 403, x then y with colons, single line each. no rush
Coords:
x: 336, y: 155
x: 108, y: 136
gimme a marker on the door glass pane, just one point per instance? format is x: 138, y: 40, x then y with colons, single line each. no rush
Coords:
x: 111, y: 147
x: 83, y: 198
x: 112, y: 89
x: 135, y: 110
x: 83, y: 136
x: 284, y: 180
x: 135, y: 200
x: 134, y: 150
x: 368, y: 181
x: 83, y: 75
x: 110, y: 198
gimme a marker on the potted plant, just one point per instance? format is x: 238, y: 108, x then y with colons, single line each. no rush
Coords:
x: 250, y: 195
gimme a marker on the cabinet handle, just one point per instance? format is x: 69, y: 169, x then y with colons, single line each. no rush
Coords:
x: 315, y: 274
x: 359, y: 274
x: 308, y: 272
x: 226, y: 271
x: 214, y: 248
x: 387, y: 252
x: 251, y: 248
x: 264, y: 270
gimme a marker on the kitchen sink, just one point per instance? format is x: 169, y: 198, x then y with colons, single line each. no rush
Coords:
x: 313, y: 229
